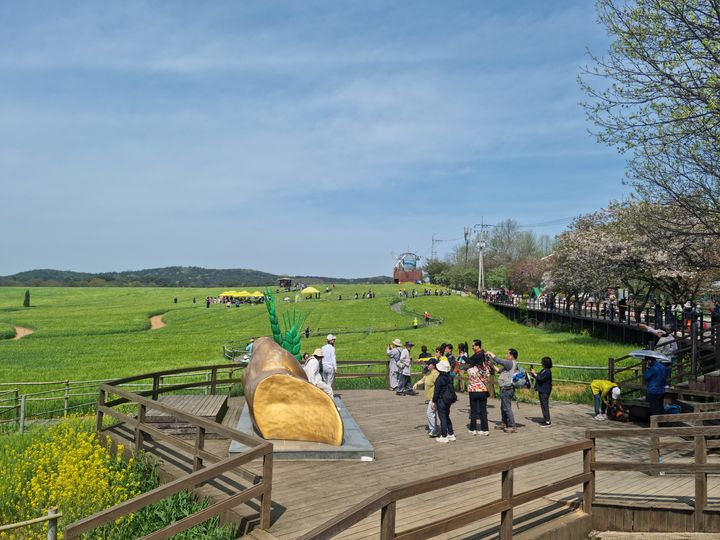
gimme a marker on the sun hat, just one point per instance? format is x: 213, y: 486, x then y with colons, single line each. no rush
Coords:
x: 397, y: 342
x: 330, y: 337
x: 615, y: 392
x: 318, y: 353
x: 443, y: 365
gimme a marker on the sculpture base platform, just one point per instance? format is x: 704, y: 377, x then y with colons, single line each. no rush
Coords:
x: 355, y: 445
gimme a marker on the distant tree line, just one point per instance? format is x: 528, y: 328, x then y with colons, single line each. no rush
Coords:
x: 513, y: 258
x: 174, y: 276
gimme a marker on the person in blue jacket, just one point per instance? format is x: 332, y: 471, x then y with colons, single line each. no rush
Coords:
x: 654, y: 377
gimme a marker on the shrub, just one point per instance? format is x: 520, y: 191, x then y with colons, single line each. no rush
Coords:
x: 26, y: 301
x: 66, y: 466
x: 7, y: 331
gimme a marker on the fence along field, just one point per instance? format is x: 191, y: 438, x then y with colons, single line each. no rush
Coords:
x: 93, y: 334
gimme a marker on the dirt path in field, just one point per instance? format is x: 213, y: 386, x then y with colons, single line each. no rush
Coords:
x: 21, y: 332
x: 156, y: 322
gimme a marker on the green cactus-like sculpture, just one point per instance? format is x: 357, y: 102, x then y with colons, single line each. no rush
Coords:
x: 290, y: 340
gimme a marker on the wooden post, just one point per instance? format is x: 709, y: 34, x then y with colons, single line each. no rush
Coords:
x: 199, y: 447
x: 700, y: 483
x: 67, y: 398
x: 155, y: 386
x: 506, y: 517
x: 17, y: 407
x: 654, y: 446
x: 266, y: 500
x: 52, y: 524
x: 22, y: 413
x: 99, y: 419
x: 611, y: 369
x: 387, y: 522
x: 139, y: 434
x: 213, y: 381
x: 589, y: 486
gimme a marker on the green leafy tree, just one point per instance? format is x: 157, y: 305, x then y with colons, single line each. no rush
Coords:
x: 656, y: 97
x: 435, y: 268
x: 26, y: 301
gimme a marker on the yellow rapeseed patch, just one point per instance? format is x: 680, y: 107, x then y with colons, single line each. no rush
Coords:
x: 66, y: 468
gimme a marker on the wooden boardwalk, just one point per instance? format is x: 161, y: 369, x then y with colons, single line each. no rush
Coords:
x: 306, y: 494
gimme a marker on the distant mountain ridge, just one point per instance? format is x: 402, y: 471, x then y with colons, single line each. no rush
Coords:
x: 171, y: 276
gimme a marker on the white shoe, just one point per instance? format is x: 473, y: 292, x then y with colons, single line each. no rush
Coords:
x: 452, y: 438
x: 442, y: 439
x: 598, y: 417
x: 472, y: 432
x: 486, y: 433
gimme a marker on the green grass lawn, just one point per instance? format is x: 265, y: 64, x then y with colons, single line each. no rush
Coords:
x: 98, y: 333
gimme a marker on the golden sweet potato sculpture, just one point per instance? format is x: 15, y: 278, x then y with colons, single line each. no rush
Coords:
x: 282, y: 403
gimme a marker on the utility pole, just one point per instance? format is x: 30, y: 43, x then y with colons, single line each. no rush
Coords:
x: 433, y: 251
x: 481, y: 247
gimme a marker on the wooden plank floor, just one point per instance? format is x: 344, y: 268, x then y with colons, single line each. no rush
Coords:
x: 309, y: 493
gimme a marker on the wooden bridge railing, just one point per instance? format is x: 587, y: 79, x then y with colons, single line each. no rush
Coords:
x: 697, y: 419
x: 699, y: 466
x: 386, y: 499
x: 259, y: 488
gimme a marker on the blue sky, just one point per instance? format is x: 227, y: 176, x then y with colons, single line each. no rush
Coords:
x: 291, y: 137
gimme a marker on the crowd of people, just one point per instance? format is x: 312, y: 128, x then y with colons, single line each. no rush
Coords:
x: 671, y: 316
x: 469, y: 371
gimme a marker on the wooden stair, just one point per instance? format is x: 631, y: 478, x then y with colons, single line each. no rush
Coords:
x: 211, y: 407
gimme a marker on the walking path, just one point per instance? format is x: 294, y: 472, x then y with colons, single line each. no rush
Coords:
x: 21, y: 332
x: 156, y: 322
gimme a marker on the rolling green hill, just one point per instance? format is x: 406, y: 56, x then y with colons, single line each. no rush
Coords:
x: 171, y: 276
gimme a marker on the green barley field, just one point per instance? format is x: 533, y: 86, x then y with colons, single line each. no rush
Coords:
x: 104, y: 333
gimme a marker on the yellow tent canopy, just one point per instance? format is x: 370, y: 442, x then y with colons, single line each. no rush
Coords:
x: 243, y: 294
x: 257, y: 294
x: 227, y: 293
x: 309, y: 290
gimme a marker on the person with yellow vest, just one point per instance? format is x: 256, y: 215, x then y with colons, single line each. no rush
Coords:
x: 602, y: 392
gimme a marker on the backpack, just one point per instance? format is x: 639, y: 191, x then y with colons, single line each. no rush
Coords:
x: 449, y: 396
x: 520, y: 378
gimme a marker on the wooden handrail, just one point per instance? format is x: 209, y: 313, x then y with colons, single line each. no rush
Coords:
x: 385, y: 500
x: 261, y: 485
x: 699, y: 467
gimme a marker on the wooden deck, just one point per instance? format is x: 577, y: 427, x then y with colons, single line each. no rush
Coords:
x: 306, y: 494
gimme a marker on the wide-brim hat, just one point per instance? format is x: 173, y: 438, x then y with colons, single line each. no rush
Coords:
x: 330, y: 337
x: 443, y: 365
x: 318, y: 353
x: 397, y: 342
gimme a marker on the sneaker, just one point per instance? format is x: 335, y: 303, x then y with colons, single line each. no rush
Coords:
x: 598, y: 417
x: 545, y: 424
x: 442, y: 439
x: 485, y: 433
x: 601, y: 417
x: 452, y: 438
x: 412, y: 393
x: 399, y: 393
x: 500, y: 426
x: 510, y: 430
x: 472, y: 432
x: 433, y: 434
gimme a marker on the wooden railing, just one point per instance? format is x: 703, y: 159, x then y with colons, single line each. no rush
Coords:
x: 51, y: 518
x: 385, y: 500
x: 260, y: 486
x: 689, y: 419
x: 699, y: 467
x: 689, y: 364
